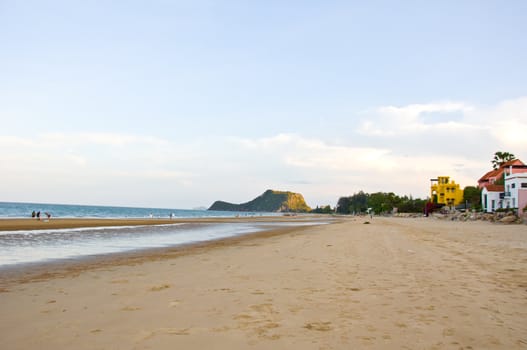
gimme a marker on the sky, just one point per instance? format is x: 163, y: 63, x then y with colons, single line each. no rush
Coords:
x: 176, y: 104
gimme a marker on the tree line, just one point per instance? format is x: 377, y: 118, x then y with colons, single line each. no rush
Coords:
x: 385, y: 202
x: 379, y: 202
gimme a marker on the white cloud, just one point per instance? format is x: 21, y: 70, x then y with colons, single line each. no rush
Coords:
x: 396, y: 149
x: 453, y: 128
x: 507, y: 123
x: 108, y: 165
x: 391, y: 120
x: 296, y: 151
x: 342, y: 169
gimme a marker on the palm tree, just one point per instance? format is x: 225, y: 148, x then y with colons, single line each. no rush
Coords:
x: 500, y: 158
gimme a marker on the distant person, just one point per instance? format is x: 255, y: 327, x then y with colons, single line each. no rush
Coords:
x: 429, y: 207
x: 171, y: 215
x: 48, y: 215
x: 33, y: 214
x: 38, y: 215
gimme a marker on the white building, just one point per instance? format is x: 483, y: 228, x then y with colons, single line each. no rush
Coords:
x: 492, y: 198
x: 515, y: 191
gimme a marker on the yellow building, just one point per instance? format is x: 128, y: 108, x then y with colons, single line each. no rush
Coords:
x: 445, y: 191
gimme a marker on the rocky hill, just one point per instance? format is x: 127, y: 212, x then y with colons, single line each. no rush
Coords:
x: 269, y: 201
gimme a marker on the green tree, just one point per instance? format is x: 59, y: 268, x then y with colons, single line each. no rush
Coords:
x: 500, y: 158
x: 382, y: 202
x: 472, y: 196
x: 343, y: 205
x: 356, y: 203
x: 323, y: 210
x: 359, y: 202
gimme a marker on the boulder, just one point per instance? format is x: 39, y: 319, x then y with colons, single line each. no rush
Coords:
x: 508, y: 219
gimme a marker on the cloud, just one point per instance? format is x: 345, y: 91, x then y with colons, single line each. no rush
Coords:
x: 330, y: 171
x: 449, y: 128
x: 395, y: 149
x: 310, y: 153
x: 500, y: 120
x: 91, y: 157
x: 392, y: 120
x: 507, y: 123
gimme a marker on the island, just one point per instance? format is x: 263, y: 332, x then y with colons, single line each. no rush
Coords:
x: 269, y: 201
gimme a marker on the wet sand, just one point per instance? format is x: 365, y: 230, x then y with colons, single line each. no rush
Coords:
x: 392, y: 284
x: 53, y: 223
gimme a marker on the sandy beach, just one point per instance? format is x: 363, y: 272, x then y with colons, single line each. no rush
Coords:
x: 393, y: 284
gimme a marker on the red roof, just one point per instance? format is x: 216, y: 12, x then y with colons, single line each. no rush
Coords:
x: 492, y: 173
x: 495, y: 188
x: 498, y: 172
x: 512, y: 162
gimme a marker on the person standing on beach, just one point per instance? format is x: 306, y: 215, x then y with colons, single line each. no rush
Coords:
x: 429, y: 207
x: 38, y: 215
x: 33, y: 214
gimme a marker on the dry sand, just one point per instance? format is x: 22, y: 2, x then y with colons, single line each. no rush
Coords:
x: 393, y: 284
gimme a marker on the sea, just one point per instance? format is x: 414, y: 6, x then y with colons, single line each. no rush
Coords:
x: 24, y: 210
x: 27, y: 247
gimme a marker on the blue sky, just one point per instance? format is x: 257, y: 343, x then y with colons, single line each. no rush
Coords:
x: 180, y: 103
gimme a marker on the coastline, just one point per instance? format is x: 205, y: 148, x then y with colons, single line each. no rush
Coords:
x: 32, y: 272
x: 395, y: 283
x: 18, y: 224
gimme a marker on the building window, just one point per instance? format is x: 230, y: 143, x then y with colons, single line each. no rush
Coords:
x: 524, y: 184
x: 513, y: 186
x: 492, y: 204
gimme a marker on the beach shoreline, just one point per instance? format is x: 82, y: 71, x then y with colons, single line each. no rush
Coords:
x: 20, y: 224
x: 61, y: 268
x: 395, y: 283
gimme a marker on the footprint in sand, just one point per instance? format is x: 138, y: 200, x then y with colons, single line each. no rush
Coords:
x: 174, y: 303
x: 176, y: 331
x: 448, y: 332
x: 130, y: 308
x: 318, y: 326
x: 267, y: 308
x: 159, y: 288
x: 119, y: 281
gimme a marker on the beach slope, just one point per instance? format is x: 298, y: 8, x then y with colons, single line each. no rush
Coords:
x: 392, y: 284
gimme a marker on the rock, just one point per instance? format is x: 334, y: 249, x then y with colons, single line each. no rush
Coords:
x: 488, y: 217
x: 508, y: 219
x: 269, y: 201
